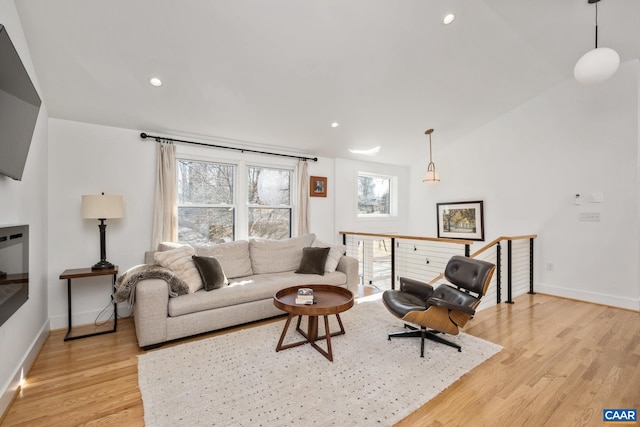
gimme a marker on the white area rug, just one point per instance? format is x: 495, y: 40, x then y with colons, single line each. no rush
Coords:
x: 239, y: 380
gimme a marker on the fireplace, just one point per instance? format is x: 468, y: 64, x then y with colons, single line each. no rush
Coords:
x: 14, y: 269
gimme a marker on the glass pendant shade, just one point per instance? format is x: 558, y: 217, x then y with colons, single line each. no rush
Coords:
x: 596, y: 66
x: 431, y: 176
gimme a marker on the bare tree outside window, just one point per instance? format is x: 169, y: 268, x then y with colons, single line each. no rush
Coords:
x: 269, y: 199
x: 206, y: 208
x: 374, y: 195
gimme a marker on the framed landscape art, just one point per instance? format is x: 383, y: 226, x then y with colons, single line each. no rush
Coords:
x: 461, y: 220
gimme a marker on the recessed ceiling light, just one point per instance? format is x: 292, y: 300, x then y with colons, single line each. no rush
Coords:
x: 155, y: 82
x: 448, y: 19
x: 335, y: 124
x: 370, y: 152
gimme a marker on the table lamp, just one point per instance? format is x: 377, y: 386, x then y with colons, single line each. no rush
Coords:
x: 102, y: 207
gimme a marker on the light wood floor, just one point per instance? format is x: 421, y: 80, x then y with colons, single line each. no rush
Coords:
x: 563, y: 362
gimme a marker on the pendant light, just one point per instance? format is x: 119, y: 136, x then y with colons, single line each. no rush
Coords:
x: 597, y: 65
x: 430, y: 176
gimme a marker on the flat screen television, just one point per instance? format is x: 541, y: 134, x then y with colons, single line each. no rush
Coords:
x: 19, y: 106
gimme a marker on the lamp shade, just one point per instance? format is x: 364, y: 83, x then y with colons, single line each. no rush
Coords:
x: 431, y: 177
x: 596, y: 66
x: 101, y: 206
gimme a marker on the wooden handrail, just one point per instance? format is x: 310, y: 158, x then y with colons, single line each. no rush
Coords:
x: 500, y: 239
x: 398, y: 236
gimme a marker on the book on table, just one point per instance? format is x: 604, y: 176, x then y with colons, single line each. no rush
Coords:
x: 305, y: 296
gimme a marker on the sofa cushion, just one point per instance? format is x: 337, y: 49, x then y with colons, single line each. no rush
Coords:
x: 179, y: 261
x: 233, y: 257
x: 248, y: 289
x: 211, y: 272
x: 335, y: 253
x: 313, y: 260
x: 275, y: 256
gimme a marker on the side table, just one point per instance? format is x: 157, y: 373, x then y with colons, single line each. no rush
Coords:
x: 78, y: 273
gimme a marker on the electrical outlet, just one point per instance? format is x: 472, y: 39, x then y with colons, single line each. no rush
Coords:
x: 589, y: 216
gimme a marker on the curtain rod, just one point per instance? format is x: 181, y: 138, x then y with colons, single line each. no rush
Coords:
x: 244, y: 150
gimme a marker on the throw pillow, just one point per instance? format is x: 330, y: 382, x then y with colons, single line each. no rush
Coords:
x: 179, y: 261
x: 313, y: 260
x: 336, y: 252
x: 211, y: 272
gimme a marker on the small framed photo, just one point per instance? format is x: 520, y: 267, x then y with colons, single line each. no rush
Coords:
x: 461, y: 220
x: 318, y: 186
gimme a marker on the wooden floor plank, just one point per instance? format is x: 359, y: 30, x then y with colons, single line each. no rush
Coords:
x: 563, y: 362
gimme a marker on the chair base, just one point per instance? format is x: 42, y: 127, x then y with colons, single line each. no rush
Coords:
x: 423, y: 333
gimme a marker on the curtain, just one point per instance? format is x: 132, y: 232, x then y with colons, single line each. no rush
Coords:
x: 303, y: 198
x: 165, y: 215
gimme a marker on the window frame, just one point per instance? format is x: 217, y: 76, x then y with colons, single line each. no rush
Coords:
x: 234, y: 196
x: 292, y: 194
x: 241, y: 204
x: 393, y: 196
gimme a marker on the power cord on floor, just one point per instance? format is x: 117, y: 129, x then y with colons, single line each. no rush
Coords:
x: 97, y: 322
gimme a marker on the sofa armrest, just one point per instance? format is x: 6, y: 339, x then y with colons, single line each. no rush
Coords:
x: 150, y: 311
x: 349, y: 266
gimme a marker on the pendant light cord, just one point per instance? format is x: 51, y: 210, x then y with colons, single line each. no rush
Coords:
x: 596, y: 25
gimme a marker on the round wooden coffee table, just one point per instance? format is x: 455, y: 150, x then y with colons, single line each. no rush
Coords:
x: 329, y: 300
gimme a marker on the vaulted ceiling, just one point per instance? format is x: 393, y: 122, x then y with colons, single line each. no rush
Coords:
x: 279, y: 72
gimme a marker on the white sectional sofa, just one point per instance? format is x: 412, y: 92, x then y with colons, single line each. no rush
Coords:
x: 255, y: 270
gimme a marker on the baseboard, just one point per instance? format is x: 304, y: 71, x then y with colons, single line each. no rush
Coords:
x: 588, y: 296
x: 22, y: 370
x: 61, y: 321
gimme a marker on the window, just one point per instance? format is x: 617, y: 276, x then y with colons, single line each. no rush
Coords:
x: 375, y: 195
x: 269, y: 202
x: 206, y: 202
x: 219, y: 202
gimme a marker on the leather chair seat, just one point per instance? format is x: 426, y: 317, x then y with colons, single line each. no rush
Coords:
x: 400, y: 303
x: 455, y: 296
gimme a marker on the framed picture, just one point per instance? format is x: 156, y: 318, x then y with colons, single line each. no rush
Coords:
x: 318, y: 186
x: 461, y: 220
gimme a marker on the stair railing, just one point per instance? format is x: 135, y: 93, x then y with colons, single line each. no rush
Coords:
x: 424, y: 258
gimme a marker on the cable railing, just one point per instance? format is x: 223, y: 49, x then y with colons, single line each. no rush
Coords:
x: 385, y: 257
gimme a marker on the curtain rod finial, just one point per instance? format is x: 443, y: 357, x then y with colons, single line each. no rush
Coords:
x: 143, y: 135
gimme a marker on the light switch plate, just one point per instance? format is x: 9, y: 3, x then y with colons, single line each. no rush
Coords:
x: 597, y: 197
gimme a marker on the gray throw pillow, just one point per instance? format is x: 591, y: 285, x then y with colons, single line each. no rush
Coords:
x: 211, y: 272
x: 313, y: 260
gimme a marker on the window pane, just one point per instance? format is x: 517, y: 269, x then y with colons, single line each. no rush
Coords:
x: 270, y: 223
x: 269, y: 187
x: 205, y: 225
x: 205, y: 183
x: 373, y: 195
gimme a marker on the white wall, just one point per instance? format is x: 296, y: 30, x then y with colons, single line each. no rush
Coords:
x: 528, y: 165
x: 90, y: 159
x: 24, y: 202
